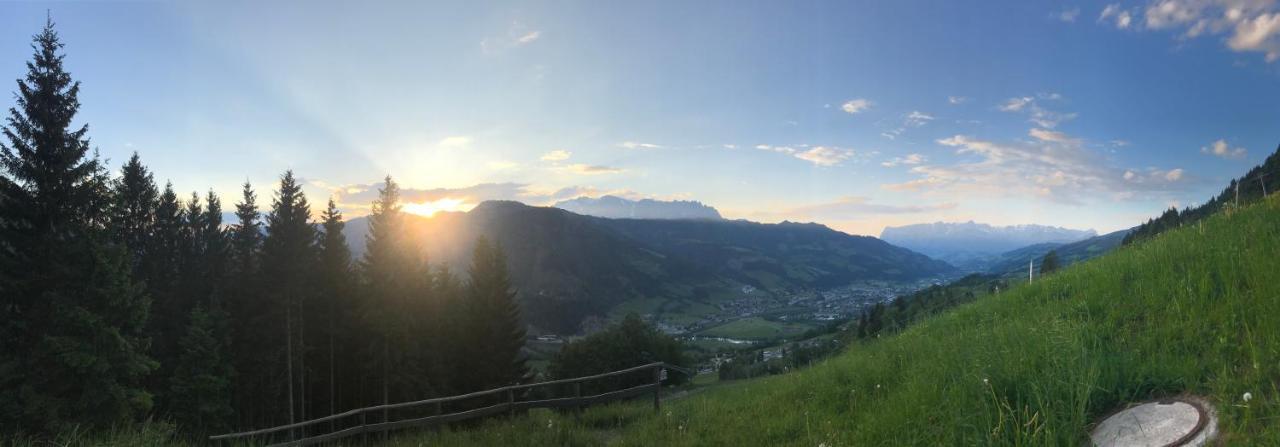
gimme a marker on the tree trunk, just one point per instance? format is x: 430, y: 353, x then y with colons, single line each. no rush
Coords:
x: 288, y: 329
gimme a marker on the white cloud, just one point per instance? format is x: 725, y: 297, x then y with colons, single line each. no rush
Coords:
x: 910, y: 120
x: 556, y: 155
x: 517, y: 35
x: 917, y: 119
x: 818, y: 155
x: 1036, y: 113
x: 1222, y: 149
x: 730, y: 146
x: 1247, y: 25
x: 854, y: 106
x: 956, y: 100
x: 910, y: 159
x: 528, y: 37
x: 454, y: 142
x: 1051, y: 136
x: 824, y: 156
x: 638, y: 145
x: 1069, y: 15
x: 1121, y: 17
x: 586, y: 169
x: 1016, y: 104
x: 1052, y: 167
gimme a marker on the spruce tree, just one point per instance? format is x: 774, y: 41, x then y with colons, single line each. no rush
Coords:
x: 333, y: 307
x: 133, y: 211
x: 200, y: 387
x: 72, y: 342
x: 214, y: 246
x: 393, y: 277
x: 250, y: 324
x: 288, y: 261
x: 246, y: 238
x: 495, y: 319
x: 162, y: 273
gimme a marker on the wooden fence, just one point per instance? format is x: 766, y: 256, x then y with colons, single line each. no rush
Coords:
x: 507, y: 402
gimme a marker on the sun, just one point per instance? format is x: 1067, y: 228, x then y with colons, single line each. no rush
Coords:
x: 431, y: 207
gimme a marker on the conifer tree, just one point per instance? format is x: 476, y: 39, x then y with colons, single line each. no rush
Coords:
x: 200, y: 387
x: 72, y: 342
x: 333, y: 306
x: 246, y: 237
x: 393, y: 276
x: 162, y: 273
x: 452, y: 333
x: 496, y: 325
x: 1050, y: 263
x: 215, y: 259
x: 288, y: 260
x: 133, y: 211
x: 250, y: 324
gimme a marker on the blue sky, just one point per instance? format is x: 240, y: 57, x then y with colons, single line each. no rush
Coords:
x: 856, y: 114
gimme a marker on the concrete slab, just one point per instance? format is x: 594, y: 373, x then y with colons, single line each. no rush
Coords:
x: 1170, y: 422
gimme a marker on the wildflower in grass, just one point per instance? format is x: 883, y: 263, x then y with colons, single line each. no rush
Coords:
x: 1247, y: 396
x: 985, y: 381
x: 548, y: 423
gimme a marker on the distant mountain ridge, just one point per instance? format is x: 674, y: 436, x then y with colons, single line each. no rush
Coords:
x: 973, y: 246
x: 1015, y: 262
x: 568, y: 267
x: 614, y: 207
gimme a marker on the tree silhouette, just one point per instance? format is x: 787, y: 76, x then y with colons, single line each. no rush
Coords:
x: 1050, y: 263
x: 71, y: 318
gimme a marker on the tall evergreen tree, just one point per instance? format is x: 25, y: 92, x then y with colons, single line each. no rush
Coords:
x: 289, y: 260
x: 495, y: 320
x: 393, y: 277
x: 133, y: 212
x: 72, y: 343
x: 162, y: 273
x: 246, y: 238
x: 332, y: 308
x: 250, y: 323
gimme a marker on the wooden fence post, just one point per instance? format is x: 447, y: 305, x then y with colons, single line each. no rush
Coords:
x: 511, y: 401
x: 577, y: 393
x: 364, y: 434
x: 657, y: 387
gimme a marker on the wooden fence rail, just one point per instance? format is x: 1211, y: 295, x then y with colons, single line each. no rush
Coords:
x: 507, y: 405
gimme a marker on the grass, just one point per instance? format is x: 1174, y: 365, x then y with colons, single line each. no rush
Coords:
x: 1195, y: 310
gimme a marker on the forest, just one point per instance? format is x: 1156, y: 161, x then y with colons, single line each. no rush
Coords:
x: 119, y: 300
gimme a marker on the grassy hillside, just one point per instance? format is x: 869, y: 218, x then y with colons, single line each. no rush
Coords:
x: 1190, y: 311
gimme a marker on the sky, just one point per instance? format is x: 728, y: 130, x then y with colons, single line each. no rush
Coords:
x: 854, y: 114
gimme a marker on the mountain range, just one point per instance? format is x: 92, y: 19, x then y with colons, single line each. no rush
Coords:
x: 619, y: 208
x: 568, y: 267
x: 974, y: 246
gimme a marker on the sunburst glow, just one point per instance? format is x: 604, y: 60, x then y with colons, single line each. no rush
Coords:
x: 431, y: 207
